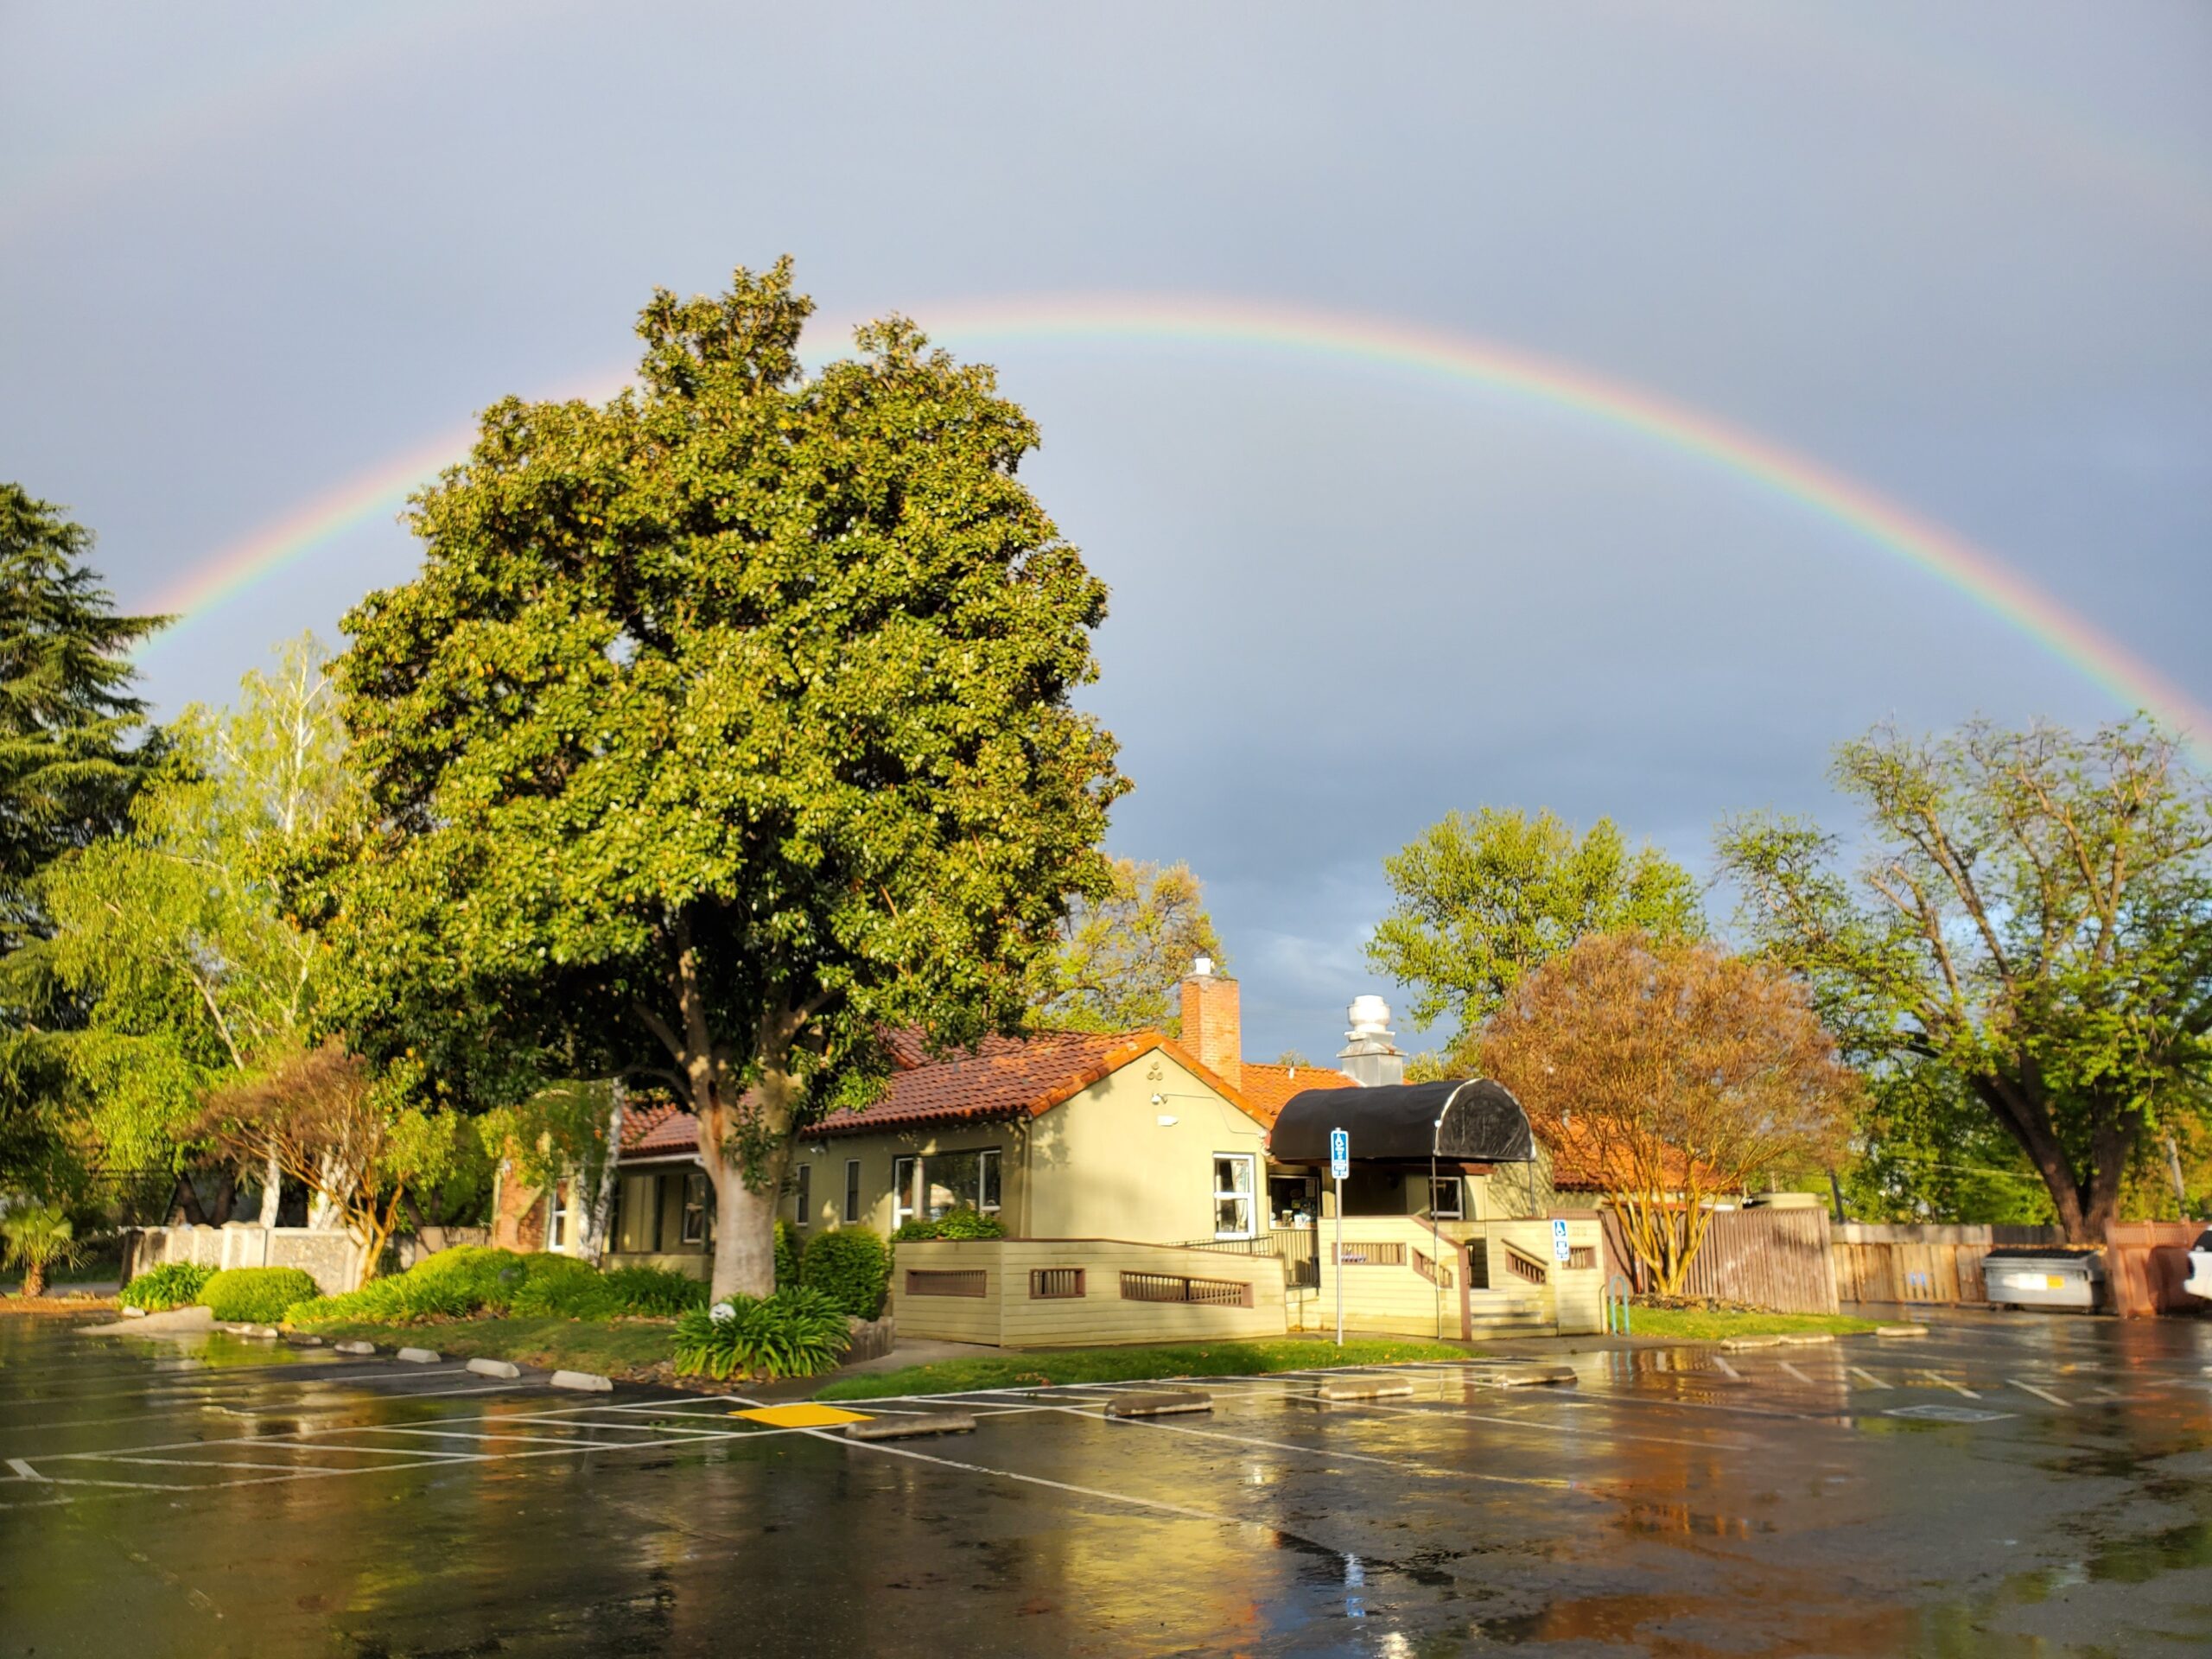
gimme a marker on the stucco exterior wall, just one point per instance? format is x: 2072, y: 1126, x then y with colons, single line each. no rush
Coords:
x: 1106, y: 1164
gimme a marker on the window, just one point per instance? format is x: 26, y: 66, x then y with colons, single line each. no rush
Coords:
x: 1232, y: 1195
x: 852, y: 1189
x: 902, y: 1189
x: 1444, y: 1199
x: 561, y: 1220
x: 805, y: 1195
x: 937, y: 1185
x: 696, y: 1202
x: 639, y: 1206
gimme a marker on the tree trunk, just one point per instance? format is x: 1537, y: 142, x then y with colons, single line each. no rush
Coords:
x: 745, y: 1215
x: 598, y: 1215
x: 272, y: 1186
x: 2025, y: 1115
x: 34, y: 1276
x: 226, y: 1193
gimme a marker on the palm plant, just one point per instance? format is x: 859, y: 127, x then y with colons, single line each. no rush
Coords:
x: 38, y: 1235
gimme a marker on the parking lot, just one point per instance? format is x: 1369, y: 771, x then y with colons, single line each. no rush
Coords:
x: 2011, y: 1484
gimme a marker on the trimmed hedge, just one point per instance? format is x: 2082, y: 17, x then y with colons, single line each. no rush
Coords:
x: 957, y: 1224
x: 257, y: 1295
x: 173, y: 1284
x: 459, y: 1283
x: 851, y: 1267
x: 787, y: 1257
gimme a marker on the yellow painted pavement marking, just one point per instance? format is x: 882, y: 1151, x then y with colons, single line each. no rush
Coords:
x: 805, y: 1414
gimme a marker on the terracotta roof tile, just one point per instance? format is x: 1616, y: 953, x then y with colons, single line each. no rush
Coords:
x: 1000, y: 1077
x: 1268, y: 1089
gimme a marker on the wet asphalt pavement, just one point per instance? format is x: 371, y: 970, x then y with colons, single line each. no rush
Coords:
x: 2012, y: 1485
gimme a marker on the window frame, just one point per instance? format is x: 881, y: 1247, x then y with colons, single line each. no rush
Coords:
x: 852, y: 1213
x: 1249, y: 1197
x: 802, y: 1194
x: 906, y: 1179
x: 1458, y: 1186
x: 695, y: 1180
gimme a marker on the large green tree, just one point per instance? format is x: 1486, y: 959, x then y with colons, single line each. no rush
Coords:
x: 172, y: 934
x: 1117, y: 962
x: 1479, y: 901
x: 727, y: 727
x: 72, y: 750
x: 2030, y: 928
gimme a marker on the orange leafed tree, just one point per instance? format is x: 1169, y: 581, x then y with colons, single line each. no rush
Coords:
x: 1676, y: 1073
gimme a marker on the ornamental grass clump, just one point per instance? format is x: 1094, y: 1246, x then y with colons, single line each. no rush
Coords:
x: 257, y: 1295
x: 173, y: 1284
x: 796, y: 1332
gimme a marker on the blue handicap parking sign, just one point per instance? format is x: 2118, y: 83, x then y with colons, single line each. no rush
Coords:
x: 1339, y: 1154
x: 1561, y: 1251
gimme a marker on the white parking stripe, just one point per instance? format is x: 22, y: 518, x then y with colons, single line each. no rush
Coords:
x: 1957, y: 1388
x: 1794, y: 1372
x: 1727, y: 1367
x: 1867, y: 1377
x: 2038, y: 1392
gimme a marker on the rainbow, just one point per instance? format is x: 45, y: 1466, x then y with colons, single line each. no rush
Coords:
x: 1456, y: 359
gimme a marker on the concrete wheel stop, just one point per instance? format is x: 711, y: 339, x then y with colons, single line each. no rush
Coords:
x: 1366, y: 1388
x: 911, y: 1428
x: 1900, y: 1330
x: 1533, y: 1376
x: 1159, y: 1402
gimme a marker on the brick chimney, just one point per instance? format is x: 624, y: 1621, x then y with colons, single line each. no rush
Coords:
x: 1211, y: 1027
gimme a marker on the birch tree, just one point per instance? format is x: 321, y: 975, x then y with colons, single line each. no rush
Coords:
x: 172, y: 933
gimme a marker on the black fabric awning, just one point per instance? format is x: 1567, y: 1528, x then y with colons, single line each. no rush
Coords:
x: 1461, y: 1121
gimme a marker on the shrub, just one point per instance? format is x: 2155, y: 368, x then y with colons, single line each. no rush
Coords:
x: 656, y: 1293
x: 257, y: 1295
x: 787, y: 1272
x: 458, y: 1283
x: 795, y: 1332
x: 851, y: 1268
x: 561, y: 1286
x: 956, y: 1223
x: 173, y: 1284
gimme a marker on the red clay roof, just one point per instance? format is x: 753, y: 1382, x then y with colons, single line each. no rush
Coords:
x: 1000, y: 1077
x: 1580, y: 1164
x: 1268, y: 1089
x: 663, y: 1127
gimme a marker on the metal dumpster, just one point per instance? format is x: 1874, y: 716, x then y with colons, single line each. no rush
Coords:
x: 2033, y: 1276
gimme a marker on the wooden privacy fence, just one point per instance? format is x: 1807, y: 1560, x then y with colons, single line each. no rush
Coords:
x: 1765, y: 1257
x: 1879, y: 1263
x: 2145, y: 1264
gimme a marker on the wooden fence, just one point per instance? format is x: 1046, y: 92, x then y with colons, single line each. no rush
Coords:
x: 1876, y: 1262
x: 2145, y: 1264
x: 1765, y: 1257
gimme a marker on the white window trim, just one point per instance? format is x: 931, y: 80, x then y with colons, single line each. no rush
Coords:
x: 685, y: 1212
x: 802, y: 1195
x: 851, y: 1200
x: 903, y: 1209
x: 1250, y: 1194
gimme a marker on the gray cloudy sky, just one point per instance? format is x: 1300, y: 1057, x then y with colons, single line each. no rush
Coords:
x: 1961, y: 254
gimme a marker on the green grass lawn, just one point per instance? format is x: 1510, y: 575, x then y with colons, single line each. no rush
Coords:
x: 1130, y: 1365
x: 1706, y: 1324
x: 610, y: 1348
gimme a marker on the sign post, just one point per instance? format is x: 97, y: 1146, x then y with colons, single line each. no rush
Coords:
x: 1340, y: 1167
